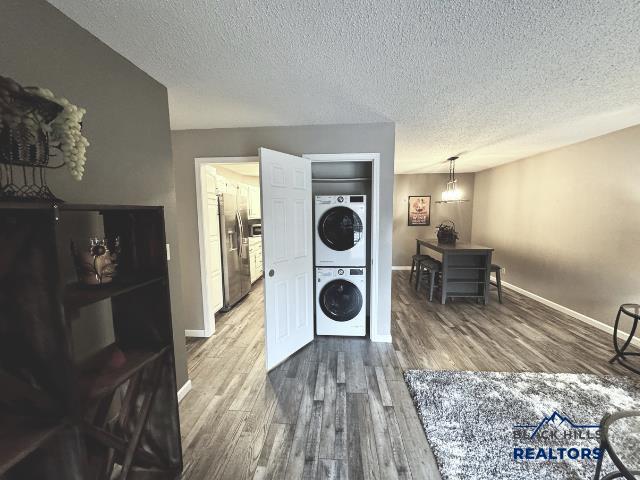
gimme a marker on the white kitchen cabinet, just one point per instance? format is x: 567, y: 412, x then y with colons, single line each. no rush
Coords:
x: 254, y: 203
x: 225, y: 186
x: 255, y: 258
x: 243, y: 191
x: 250, y: 192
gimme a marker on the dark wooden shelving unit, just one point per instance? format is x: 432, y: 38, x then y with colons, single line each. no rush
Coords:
x: 19, y: 438
x: 98, y: 378
x: 114, y: 412
x: 77, y: 295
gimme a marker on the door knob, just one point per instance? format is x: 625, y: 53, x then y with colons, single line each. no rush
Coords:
x: 271, y: 273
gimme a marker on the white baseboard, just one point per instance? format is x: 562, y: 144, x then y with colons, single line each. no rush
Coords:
x: 197, y: 333
x: 381, y: 338
x: 572, y: 313
x: 401, y: 267
x: 186, y: 388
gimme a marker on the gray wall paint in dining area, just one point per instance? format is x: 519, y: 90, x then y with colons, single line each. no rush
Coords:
x: 404, y: 236
x: 566, y: 223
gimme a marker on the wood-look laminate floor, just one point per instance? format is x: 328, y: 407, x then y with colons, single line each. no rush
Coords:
x: 339, y: 407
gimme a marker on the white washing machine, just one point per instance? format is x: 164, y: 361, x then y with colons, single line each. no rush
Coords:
x: 341, y: 301
x: 341, y: 230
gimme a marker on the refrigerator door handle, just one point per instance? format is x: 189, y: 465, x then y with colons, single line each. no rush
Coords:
x: 239, y: 238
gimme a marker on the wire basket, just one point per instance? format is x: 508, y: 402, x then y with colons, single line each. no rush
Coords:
x: 25, y: 152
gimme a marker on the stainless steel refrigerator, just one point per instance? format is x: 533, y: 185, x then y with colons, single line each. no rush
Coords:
x: 234, y: 245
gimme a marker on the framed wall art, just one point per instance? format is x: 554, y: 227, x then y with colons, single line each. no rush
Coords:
x: 419, y: 211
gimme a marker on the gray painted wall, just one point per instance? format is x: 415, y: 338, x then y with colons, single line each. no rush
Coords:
x: 566, y: 224
x: 127, y: 122
x: 190, y: 144
x: 404, y: 236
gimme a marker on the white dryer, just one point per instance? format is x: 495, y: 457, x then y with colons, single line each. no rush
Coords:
x: 341, y: 301
x: 341, y: 230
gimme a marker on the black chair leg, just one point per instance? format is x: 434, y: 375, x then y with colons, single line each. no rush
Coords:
x: 418, y: 276
x: 432, y: 283
x: 413, y: 266
x: 499, y: 282
x: 428, y: 272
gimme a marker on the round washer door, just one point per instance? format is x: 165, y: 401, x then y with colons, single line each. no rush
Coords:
x: 340, y: 300
x: 340, y: 228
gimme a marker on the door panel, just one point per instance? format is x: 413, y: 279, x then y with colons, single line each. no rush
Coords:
x: 212, y: 256
x: 300, y: 243
x: 216, y: 263
x: 301, y: 314
x: 288, y: 262
x: 215, y: 295
x: 279, y: 221
x: 281, y: 310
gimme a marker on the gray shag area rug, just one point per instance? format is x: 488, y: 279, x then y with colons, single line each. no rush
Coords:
x: 491, y: 425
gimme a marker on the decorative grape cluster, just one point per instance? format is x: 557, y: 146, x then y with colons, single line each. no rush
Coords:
x: 65, y: 130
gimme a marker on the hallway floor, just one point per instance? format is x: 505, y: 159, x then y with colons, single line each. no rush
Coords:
x: 339, y: 407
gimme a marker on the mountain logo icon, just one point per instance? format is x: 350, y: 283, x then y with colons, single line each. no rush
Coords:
x: 555, y: 419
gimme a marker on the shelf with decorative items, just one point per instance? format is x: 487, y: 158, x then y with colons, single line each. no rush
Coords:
x: 38, y: 132
x: 115, y: 408
x: 77, y: 295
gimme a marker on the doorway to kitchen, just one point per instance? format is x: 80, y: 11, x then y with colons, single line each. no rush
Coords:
x: 229, y: 224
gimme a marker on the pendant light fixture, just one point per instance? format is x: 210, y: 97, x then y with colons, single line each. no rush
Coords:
x: 451, y: 193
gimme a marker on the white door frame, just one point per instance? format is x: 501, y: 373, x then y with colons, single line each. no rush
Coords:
x: 209, y: 325
x: 374, y: 229
x: 374, y: 158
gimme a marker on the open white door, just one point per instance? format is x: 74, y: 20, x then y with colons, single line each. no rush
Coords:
x: 287, y: 252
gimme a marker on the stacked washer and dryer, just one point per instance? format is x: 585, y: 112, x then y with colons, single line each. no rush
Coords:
x: 341, y: 259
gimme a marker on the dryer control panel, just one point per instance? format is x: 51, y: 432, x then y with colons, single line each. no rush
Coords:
x: 341, y: 199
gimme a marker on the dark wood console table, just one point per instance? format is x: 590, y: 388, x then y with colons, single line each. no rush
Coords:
x: 465, y: 268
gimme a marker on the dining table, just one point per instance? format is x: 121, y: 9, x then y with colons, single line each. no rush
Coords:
x: 465, y: 271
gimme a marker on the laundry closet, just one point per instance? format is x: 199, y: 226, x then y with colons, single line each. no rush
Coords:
x: 341, y: 203
x: 320, y: 245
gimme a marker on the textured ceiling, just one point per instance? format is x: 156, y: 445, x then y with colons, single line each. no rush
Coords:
x: 493, y: 80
